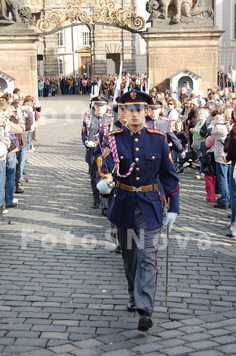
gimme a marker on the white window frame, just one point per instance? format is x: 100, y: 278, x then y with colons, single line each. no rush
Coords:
x: 85, y: 38
x: 60, y: 38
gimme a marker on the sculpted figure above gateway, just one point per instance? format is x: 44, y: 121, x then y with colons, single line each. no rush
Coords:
x: 178, y: 11
x: 12, y: 11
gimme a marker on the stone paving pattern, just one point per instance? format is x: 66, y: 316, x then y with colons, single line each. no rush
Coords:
x: 62, y: 286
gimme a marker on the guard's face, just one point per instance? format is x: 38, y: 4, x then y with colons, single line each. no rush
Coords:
x: 100, y: 109
x: 122, y: 115
x: 154, y: 113
x: 135, y: 118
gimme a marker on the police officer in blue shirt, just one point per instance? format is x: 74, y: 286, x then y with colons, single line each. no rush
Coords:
x: 137, y: 155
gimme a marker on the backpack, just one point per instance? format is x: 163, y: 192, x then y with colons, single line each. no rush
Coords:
x: 208, y: 164
x: 203, y: 130
x: 226, y: 143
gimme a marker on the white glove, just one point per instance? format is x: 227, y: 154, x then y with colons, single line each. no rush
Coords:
x: 90, y: 144
x: 183, y: 155
x: 104, y: 187
x: 170, y: 219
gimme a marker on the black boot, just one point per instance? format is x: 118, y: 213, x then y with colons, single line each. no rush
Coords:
x: 131, y: 305
x: 3, y: 221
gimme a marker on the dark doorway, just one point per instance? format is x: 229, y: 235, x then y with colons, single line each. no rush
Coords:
x: 3, y: 84
x: 113, y: 63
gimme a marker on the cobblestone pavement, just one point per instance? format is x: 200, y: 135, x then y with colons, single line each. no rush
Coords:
x: 62, y: 286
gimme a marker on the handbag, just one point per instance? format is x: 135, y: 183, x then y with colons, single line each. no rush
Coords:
x: 196, y: 145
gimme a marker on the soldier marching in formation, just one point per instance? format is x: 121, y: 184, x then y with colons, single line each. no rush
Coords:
x: 133, y: 156
x: 92, y: 123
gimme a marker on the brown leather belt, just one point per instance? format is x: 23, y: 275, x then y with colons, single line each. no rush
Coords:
x: 130, y: 188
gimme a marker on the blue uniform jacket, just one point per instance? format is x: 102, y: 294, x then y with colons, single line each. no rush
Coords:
x: 96, y: 127
x: 164, y: 126
x: 150, y: 151
x: 103, y: 137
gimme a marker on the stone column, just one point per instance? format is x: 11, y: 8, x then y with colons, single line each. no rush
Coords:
x: 175, y: 48
x: 18, y: 56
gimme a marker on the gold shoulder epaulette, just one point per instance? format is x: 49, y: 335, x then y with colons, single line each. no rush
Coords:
x: 157, y: 132
x: 106, y: 124
x: 114, y: 132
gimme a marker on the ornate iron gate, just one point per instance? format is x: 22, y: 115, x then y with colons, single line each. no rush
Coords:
x: 88, y: 12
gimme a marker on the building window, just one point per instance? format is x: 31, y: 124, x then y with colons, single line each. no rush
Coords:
x: 60, y: 38
x: 86, y: 38
x: 60, y: 67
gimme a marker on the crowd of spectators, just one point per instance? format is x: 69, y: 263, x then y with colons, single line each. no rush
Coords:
x: 48, y: 86
x: 83, y: 85
x: 201, y: 122
x: 18, y: 121
x: 207, y: 122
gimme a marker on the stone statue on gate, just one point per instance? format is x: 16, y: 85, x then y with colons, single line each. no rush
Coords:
x: 178, y: 11
x: 12, y: 11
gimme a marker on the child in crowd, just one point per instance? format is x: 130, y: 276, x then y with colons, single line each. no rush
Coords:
x: 209, y: 169
x: 181, y: 135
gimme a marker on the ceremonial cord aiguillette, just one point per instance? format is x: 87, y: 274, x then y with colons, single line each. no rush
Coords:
x: 113, y: 147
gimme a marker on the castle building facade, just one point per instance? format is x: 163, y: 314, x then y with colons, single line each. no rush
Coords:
x: 99, y: 48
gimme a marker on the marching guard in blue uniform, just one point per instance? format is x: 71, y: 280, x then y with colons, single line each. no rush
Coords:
x: 91, y: 128
x: 156, y: 121
x: 135, y: 156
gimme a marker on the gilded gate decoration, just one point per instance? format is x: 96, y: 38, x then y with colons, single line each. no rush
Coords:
x: 90, y: 12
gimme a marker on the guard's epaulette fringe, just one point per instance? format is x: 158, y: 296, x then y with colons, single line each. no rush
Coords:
x: 157, y: 132
x: 114, y: 132
x: 106, y: 124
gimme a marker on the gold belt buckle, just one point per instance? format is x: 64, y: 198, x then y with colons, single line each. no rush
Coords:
x: 139, y: 189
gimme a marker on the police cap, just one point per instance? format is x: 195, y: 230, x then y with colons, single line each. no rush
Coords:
x: 100, y: 100
x: 156, y: 104
x: 135, y: 99
x: 120, y: 104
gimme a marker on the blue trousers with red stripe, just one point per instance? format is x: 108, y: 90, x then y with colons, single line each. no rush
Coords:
x: 139, y: 251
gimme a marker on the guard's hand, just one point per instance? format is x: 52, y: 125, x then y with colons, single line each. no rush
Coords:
x: 104, y: 186
x: 170, y: 219
x: 90, y: 144
x: 183, y: 155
